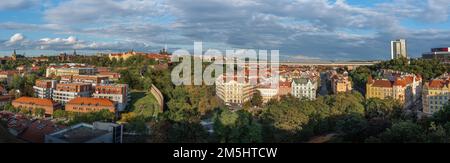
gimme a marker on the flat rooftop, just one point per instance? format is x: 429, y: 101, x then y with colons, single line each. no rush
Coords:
x: 80, y: 134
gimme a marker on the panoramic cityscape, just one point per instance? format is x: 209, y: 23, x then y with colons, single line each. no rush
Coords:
x: 325, y: 71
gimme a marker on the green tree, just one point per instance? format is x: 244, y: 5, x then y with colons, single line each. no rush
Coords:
x: 257, y: 99
x: 437, y: 134
x: 282, y: 122
x: 236, y: 127
x: 353, y: 127
x: 60, y: 114
x: 383, y: 108
x: 403, y: 132
x: 39, y: 112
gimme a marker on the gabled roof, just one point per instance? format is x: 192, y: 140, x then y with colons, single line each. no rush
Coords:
x: 35, y: 101
x: 302, y: 80
x: 438, y: 83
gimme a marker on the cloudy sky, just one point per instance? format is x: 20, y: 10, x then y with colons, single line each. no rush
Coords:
x: 301, y: 29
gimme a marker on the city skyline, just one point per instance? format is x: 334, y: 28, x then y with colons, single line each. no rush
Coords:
x: 301, y: 29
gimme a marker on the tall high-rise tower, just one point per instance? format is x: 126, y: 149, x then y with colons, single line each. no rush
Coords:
x: 399, y: 49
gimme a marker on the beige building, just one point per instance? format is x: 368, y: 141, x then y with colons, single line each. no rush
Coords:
x: 406, y: 88
x: 436, y: 94
x: 268, y: 93
x: 69, y: 70
x: 125, y: 56
x: 340, y: 83
x: 234, y: 91
x: 399, y: 49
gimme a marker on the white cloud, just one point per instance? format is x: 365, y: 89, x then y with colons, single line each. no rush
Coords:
x: 17, y: 4
x: 314, y: 28
x: 18, y: 37
x: 101, y: 11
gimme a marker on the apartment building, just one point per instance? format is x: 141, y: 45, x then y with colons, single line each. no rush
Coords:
x: 285, y: 88
x: 436, y: 94
x: 118, y: 93
x: 44, y: 88
x: 304, y: 87
x: 235, y: 90
x: 399, y: 49
x: 65, y: 92
x: 404, y: 87
x: 340, y: 83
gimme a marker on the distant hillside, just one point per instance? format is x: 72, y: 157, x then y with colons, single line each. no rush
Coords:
x: 5, y: 137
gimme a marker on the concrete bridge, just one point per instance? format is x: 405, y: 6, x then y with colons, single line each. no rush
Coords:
x: 349, y: 64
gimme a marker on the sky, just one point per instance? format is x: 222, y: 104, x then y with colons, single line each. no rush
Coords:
x: 300, y: 29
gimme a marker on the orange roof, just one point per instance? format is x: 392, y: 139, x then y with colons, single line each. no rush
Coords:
x: 382, y: 83
x: 35, y: 101
x: 285, y: 84
x: 438, y: 83
x: 91, y: 101
x: 157, y: 56
x: 400, y: 82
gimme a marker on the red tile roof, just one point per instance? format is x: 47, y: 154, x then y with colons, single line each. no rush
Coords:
x: 91, y: 101
x: 35, y: 133
x: 382, y: 83
x: 157, y: 56
x: 35, y: 101
x: 401, y: 82
x: 438, y: 83
x: 285, y: 84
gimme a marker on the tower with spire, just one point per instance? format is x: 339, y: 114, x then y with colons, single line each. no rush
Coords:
x: 14, y: 55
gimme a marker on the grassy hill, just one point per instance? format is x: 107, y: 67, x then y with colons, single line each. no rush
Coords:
x: 143, y: 103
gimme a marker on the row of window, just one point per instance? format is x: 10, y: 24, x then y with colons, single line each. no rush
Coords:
x: 88, y: 109
x: 438, y: 97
